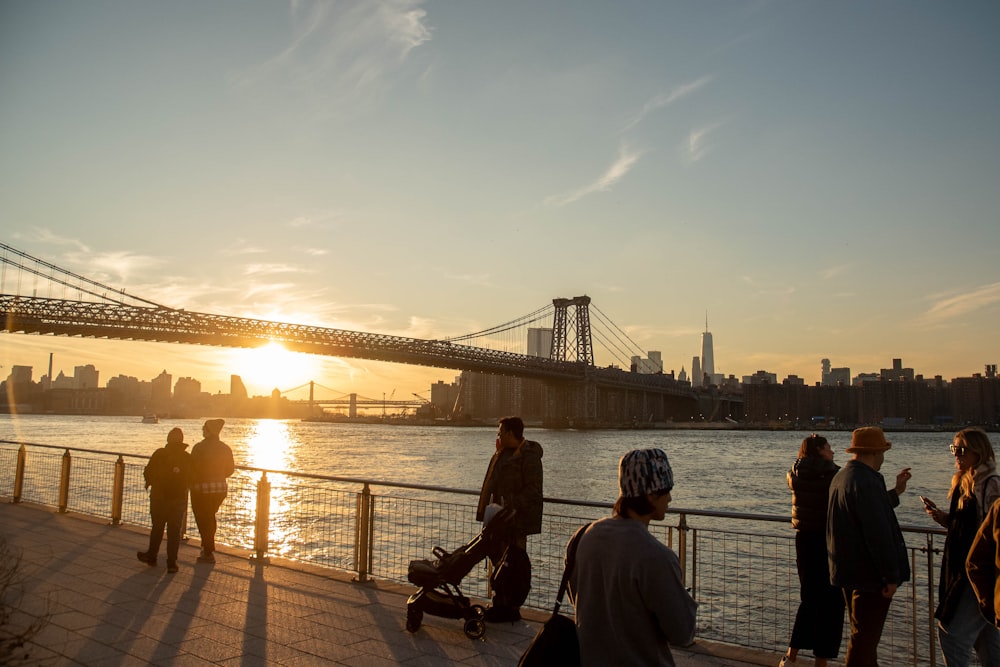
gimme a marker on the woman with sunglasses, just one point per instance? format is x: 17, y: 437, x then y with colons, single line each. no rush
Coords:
x: 819, y: 621
x: 974, y: 488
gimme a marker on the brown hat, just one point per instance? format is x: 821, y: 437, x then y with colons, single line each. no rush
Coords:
x: 214, y: 426
x: 868, y: 439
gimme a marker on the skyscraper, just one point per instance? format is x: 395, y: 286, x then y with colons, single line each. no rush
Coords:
x: 707, y: 353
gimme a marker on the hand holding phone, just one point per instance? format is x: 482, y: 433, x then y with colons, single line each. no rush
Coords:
x: 928, y: 503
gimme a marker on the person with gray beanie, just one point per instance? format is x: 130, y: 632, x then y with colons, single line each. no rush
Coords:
x: 627, y: 586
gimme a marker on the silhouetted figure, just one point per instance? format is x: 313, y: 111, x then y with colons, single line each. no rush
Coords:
x: 974, y: 488
x: 212, y: 463
x: 868, y: 558
x: 819, y: 622
x: 513, y: 481
x: 983, y: 566
x: 626, y: 586
x: 167, y: 475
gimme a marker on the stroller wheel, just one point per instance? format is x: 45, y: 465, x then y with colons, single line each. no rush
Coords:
x: 479, y: 610
x: 475, y: 628
x: 413, y: 619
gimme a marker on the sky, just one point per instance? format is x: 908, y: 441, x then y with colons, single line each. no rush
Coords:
x: 821, y: 179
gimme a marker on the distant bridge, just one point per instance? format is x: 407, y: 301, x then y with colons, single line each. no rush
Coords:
x: 581, y: 393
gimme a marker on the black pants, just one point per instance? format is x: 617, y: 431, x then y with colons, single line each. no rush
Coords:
x: 169, y: 514
x: 511, y: 580
x: 867, y: 610
x: 819, y: 623
x: 204, y: 506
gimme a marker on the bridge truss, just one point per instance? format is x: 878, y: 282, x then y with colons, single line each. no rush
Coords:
x: 578, y: 385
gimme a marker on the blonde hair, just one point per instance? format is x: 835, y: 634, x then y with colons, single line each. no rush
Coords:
x: 964, y: 482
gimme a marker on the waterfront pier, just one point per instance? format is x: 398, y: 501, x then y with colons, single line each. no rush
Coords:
x: 103, y: 607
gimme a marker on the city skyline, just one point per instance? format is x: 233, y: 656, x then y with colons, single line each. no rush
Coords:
x: 820, y: 177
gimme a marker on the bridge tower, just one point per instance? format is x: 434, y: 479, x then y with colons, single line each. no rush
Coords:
x: 578, y: 324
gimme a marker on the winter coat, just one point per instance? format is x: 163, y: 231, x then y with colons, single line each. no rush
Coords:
x: 168, y: 472
x: 983, y: 565
x: 212, y: 461
x: 863, y: 539
x: 963, y: 524
x: 809, y: 479
x: 514, y: 479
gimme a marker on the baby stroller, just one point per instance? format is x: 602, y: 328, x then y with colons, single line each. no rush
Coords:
x: 438, y: 580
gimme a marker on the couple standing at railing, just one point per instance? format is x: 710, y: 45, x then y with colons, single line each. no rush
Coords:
x: 850, y: 551
x: 170, y: 474
x: 626, y: 586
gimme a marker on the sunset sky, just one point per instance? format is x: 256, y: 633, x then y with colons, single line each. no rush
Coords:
x: 822, y: 178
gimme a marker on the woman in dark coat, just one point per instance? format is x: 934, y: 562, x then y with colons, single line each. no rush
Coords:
x: 819, y: 623
x: 974, y: 488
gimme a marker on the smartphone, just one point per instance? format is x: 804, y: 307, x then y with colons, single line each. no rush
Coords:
x: 928, y: 503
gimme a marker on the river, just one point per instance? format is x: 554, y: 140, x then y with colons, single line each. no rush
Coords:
x: 726, y: 470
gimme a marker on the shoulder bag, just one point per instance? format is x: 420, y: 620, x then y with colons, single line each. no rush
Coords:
x: 556, y: 643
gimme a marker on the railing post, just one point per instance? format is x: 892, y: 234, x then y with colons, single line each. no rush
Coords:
x: 262, y: 523
x: 118, y: 493
x: 931, y: 605
x: 363, y: 533
x: 682, y: 529
x: 22, y: 458
x: 64, y: 482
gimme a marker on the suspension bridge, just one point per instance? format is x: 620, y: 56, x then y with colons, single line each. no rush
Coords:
x: 60, y: 302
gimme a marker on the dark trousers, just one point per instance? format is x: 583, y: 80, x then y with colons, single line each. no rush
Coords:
x: 867, y: 611
x: 204, y: 506
x: 819, y: 622
x: 511, y: 580
x: 169, y: 514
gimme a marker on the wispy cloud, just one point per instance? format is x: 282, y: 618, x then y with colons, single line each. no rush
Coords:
x: 345, y: 48
x: 834, y: 271
x: 696, y: 147
x: 627, y: 158
x: 958, y: 305
x: 665, y: 99
x: 270, y: 269
x: 480, y: 279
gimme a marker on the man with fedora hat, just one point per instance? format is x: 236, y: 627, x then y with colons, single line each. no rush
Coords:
x: 865, y: 545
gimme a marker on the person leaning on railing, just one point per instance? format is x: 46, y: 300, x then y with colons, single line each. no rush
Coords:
x: 974, y: 488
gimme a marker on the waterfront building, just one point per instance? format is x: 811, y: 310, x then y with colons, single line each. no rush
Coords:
x: 696, y: 376
x: 86, y: 377
x: 650, y: 365
x: 897, y: 372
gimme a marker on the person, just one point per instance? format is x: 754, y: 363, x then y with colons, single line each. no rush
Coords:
x: 865, y: 546
x: 212, y: 463
x: 626, y: 586
x: 819, y: 622
x: 513, y: 480
x: 167, y: 475
x: 983, y: 566
x: 974, y: 488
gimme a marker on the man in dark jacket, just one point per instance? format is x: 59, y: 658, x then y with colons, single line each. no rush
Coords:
x: 865, y: 545
x: 513, y: 481
x: 212, y: 463
x: 167, y: 475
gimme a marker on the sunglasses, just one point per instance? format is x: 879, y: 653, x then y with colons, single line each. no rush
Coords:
x: 958, y: 450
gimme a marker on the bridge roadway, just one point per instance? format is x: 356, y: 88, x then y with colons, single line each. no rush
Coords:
x: 585, y: 391
x: 106, y: 608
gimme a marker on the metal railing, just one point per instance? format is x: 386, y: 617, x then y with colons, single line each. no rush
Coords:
x: 739, y: 567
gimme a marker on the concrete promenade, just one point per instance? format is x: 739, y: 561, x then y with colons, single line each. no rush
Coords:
x: 106, y: 608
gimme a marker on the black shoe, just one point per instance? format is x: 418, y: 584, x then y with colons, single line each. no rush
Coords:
x: 206, y: 557
x: 502, y: 615
x: 171, y: 567
x: 146, y: 558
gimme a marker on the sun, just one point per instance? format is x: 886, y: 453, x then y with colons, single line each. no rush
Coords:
x: 270, y: 367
